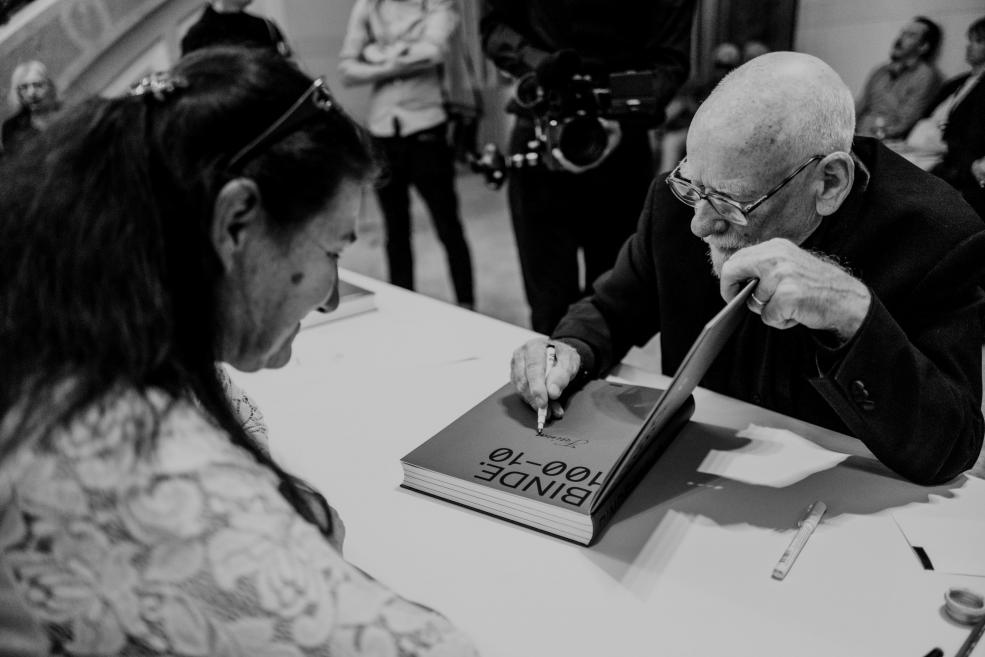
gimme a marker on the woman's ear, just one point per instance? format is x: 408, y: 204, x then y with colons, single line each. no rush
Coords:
x: 837, y: 177
x: 236, y: 217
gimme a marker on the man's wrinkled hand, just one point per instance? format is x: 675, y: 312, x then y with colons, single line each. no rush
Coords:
x: 797, y: 287
x: 528, y: 372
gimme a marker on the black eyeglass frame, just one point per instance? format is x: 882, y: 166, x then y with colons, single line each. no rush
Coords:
x: 315, y: 100
x: 674, y: 178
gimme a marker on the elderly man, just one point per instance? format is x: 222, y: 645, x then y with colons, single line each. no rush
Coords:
x: 867, y: 317
x: 35, y: 99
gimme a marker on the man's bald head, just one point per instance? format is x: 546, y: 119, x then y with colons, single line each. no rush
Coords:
x: 779, y: 107
x: 775, y: 133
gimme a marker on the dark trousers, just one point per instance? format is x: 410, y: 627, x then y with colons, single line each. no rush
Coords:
x: 424, y: 160
x: 556, y: 213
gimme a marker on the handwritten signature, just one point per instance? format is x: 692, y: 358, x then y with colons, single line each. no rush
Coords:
x: 561, y: 441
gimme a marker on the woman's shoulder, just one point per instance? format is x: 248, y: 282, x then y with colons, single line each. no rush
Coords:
x: 186, y: 547
x: 129, y: 435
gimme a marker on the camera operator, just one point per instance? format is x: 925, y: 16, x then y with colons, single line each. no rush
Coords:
x: 587, y: 197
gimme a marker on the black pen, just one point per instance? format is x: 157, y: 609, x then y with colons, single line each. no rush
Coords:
x: 936, y: 652
x: 542, y: 412
x: 972, y: 640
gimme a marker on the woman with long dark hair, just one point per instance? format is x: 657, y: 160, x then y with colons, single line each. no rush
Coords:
x: 143, y: 240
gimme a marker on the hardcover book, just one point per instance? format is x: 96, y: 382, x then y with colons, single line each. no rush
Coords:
x: 353, y: 300
x: 492, y: 459
x: 569, y: 480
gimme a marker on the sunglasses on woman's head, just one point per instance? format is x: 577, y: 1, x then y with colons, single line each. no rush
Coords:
x: 315, y: 100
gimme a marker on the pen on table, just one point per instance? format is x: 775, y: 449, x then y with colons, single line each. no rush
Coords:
x: 807, y: 526
x: 542, y: 411
x: 969, y: 644
x: 936, y: 652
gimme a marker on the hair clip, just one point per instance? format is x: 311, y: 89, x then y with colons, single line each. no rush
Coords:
x: 158, y: 84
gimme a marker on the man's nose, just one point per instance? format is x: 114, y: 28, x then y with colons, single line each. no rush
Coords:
x: 706, y: 220
x: 333, y: 300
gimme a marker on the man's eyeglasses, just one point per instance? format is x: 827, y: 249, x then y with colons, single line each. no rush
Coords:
x: 315, y: 100
x: 731, y: 210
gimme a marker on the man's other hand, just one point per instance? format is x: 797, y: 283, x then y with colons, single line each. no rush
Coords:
x: 797, y: 287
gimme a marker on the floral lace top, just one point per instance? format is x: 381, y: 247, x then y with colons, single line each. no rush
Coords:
x: 188, y: 549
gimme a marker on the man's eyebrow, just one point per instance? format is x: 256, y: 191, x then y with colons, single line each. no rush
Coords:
x: 735, y: 191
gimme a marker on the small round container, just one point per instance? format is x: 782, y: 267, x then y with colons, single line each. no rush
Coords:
x: 964, y: 605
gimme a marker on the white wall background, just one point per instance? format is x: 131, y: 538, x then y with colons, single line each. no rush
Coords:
x: 853, y: 36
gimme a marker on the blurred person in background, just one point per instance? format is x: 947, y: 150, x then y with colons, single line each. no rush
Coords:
x: 681, y: 109
x: 34, y: 99
x: 752, y: 49
x: 399, y: 47
x: 226, y: 22
x: 898, y: 92
x: 144, y: 240
x: 560, y: 208
x: 955, y: 128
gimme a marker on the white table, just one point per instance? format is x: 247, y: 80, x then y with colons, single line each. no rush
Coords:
x: 685, y: 567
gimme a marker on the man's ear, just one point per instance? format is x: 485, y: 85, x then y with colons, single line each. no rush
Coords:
x: 837, y: 176
x: 236, y: 216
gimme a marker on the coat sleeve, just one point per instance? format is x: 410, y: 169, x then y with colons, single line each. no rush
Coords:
x: 913, y: 393
x: 623, y: 310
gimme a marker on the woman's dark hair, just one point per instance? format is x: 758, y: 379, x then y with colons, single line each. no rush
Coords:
x: 108, y: 276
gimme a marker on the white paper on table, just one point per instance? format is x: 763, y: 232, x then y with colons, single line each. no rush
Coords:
x: 773, y: 457
x: 954, y: 545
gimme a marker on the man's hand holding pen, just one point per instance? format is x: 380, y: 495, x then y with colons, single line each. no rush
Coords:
x: 540, y: 386
x: 548, y: 366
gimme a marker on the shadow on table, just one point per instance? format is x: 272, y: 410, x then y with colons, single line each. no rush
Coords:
x: 678, y: 487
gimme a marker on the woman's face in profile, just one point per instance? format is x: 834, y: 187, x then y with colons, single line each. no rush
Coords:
x: 275, y: 285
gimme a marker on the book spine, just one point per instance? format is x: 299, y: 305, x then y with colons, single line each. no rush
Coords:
x: 640, y: 467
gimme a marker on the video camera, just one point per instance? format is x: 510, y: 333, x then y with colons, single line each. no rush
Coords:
x: 567, y: 106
